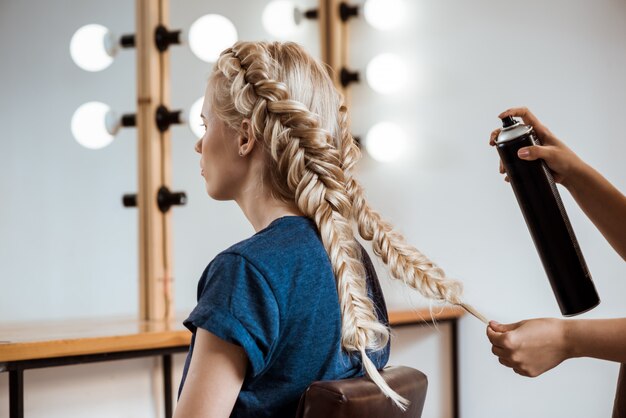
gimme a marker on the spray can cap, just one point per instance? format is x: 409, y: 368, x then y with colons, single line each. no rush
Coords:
x: 512, y: 129
x: 508, y: 121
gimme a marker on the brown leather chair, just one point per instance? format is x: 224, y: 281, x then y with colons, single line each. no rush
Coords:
x: 360, y: 397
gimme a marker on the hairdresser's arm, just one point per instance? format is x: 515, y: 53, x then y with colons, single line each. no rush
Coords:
x: 535, y: 346
x: 214, y: 378
x: 603, y: 204
x: 598, y: 198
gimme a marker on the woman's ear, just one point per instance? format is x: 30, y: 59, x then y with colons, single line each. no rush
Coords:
x: 246, y: 138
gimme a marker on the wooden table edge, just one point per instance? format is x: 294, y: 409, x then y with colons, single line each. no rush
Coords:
x: 95, y: 345
x: 31, y: 350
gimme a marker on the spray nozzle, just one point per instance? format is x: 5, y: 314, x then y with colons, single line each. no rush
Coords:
x: 508, y: 121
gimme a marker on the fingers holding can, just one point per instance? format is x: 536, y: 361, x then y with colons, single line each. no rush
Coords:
x: 494, y: 136
x: 527, y: 116
x: 503, y: 171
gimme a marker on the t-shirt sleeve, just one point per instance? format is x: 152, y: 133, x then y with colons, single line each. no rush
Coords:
x: 236, y: 304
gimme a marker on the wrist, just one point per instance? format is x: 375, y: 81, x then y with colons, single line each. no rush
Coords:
x: 570, y: 331
x: 576, y: 174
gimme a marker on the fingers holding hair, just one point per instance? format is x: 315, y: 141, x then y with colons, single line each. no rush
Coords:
x: 500, y: 334
x: 498, y: 327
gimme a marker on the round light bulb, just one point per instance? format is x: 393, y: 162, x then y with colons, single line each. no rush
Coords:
x: 209, y: 35
x: 387, y: 73
x: 92, y: 47
x: 384, y: 14
x: 89, y: 125
x: 195, y: 121
x: 279, y: 18
x: 386, y: 142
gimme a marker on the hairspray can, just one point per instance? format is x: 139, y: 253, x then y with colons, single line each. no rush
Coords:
x: 547, y: 220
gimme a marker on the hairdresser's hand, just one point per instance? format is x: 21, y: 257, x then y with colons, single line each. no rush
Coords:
x: 530, y: 347
x: 563, y: 162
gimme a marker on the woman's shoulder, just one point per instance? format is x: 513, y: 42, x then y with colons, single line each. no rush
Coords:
x: 289, y: 247
x: 285, y: 237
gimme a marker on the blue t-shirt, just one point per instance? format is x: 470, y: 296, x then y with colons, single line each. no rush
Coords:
x: 275, y: 295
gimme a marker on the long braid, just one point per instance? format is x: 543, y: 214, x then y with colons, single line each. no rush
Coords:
x: 350, y: 155
x: 320, y: 194
x: 405, y: 261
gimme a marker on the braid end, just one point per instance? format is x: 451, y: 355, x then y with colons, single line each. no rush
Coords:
x: 400, y: 401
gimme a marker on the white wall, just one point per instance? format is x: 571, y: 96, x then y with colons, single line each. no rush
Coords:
x: 563, y: 59
x: 68, y: 248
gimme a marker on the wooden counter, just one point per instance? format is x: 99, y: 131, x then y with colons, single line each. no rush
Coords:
x: 46, y: 339
x: 31, y: 345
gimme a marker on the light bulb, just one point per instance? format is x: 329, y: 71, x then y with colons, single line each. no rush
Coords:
x: 384, y: 14
x: 386, y: 142
x: 387, y: 73
x: 279, y: 18
x: 195, y: 121
x: 89, y: 125
x: 209, y: 35
x: 92, y: 47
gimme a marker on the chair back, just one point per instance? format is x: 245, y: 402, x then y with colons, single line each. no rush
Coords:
x: 360, y: 397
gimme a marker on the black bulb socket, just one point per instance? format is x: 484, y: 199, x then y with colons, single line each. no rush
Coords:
x: 311, y: 14
x: 347, y: 11
x: 166, y: 118
x: 346, y: 77
x: 163, y: 38
x: 166, y: 199
x: 127, y: 41
x: 129, y: 119
x: 129, y: 200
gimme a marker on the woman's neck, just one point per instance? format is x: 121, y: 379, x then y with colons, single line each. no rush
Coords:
x: 261, y: 210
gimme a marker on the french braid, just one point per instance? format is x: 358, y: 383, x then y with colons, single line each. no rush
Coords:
x: 295, y: 114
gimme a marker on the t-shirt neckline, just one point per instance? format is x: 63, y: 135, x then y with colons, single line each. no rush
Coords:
x: 282, y: 218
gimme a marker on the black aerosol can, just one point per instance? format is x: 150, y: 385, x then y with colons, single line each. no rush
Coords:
x: 547, y: 220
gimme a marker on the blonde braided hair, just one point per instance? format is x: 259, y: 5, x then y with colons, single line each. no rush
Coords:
x: 296, y: 115
x: 405, y: 261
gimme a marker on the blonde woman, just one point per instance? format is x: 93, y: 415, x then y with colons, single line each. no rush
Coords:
x: 299, y: 301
